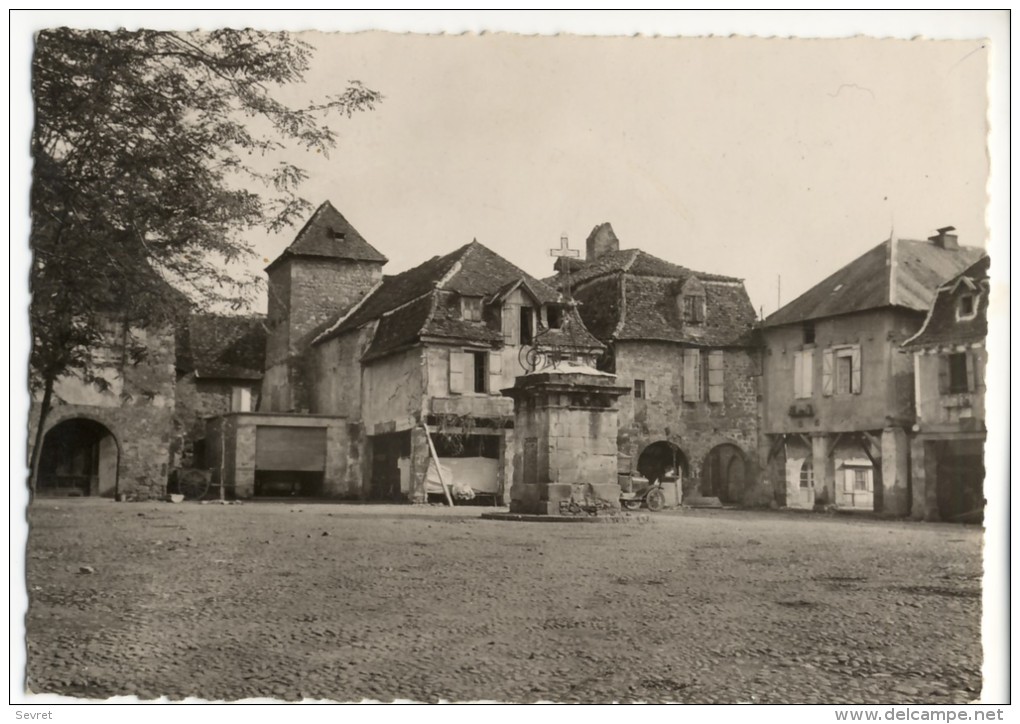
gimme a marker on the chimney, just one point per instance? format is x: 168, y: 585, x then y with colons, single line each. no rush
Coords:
x: 601, y: 241
x: 944, y: 239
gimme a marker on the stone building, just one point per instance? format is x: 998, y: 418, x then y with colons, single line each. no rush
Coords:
x: 112, y: 437
x: 949, y: 359
x: 838, y: 394
x: 401, y: 363
x: 684, y: 342
x: 148, y: 416
x: 219, y: 366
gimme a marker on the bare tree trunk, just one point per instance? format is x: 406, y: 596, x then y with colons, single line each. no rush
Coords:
x: 44, y: 410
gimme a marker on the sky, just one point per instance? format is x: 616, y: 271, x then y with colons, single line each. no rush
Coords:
x: 772, y: 160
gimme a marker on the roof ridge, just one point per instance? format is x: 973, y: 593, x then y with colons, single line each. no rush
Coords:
x: 633, y: 258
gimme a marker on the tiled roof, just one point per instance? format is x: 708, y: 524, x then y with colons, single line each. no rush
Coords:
x: 415, y: 303
x: 941, y: 327
x: 639, y: 263
x: 651, y: 312
x: 632, y: 295
x: 222, y: 347
x: 868, y: 282
x: 328, y: 234
x: 570, y: 333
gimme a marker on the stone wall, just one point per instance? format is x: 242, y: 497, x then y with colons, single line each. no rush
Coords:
x: 564, y: 443
x: 232, y: 451
x: 306, y: 293
x: 695, y: 427
x: 139, y: 415
x: 887, y: 376
x: 197, y: 399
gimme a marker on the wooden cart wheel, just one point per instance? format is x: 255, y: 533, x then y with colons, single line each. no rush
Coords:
x: 192, y: 484
x: 656, y: 500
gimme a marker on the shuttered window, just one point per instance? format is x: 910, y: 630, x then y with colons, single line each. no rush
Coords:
x: 495, y: 372
x: 692, y: 375
x: 715, y: 376
x: 456, y: 372
x: 510, y: 321
x: 841, y: 371
x: 803, y: 373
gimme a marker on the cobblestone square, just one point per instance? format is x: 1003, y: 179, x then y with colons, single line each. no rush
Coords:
x: 352, y: 602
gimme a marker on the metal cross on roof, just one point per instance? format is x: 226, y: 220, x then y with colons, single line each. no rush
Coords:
x: 565, y: 251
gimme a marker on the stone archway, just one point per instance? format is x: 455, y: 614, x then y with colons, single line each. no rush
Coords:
x: 661, y: 457
x: 724, y: 473
x: 79, y: 457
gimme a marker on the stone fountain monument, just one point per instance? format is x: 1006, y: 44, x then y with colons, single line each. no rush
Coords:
x: 565, y: 452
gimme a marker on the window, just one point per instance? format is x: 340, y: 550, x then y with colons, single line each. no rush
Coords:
x: 694, y: 309
x: 692, y: 375
x: 480, y: 371
x: 715, y: 376
x: 844, y: 373
x: 857, y: 479
x: 841, y: 371
x: 475, y: 371
x: 958, y: 377
x: 639, y: 389
x: 471, y: 309
x: 966, y: 307
x: 527, y: 326
x: 554, y: 315
x: 803, y: 374
x: 240, y: 399
x: 809, y: 332
x: 807, y: 474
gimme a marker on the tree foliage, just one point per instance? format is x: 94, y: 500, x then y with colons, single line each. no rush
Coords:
x: 153, y: 158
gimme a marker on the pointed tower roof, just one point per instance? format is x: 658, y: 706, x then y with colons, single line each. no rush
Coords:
x: 327, y: 234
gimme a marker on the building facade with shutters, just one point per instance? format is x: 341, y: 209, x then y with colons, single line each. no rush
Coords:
x: 685, y: 343
x: 949, y: 359
x: 838, y: 394
x: 412, y: 364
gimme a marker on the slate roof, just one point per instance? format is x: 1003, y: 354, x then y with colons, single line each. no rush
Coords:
x: 904, y: 273
x: 632, y: 295
x: 941, y: 328
x: 222, y: 347
x: 327, y: 234
x: 424, y: 301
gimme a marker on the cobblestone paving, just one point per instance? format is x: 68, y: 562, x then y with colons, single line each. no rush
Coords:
x: 351, y: 602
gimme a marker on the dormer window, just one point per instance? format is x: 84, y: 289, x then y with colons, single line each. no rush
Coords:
x: 471, y: 309
x: 554, y: 315
x: 691, y: 301
x: 694, y: 309
x: 966, y: 307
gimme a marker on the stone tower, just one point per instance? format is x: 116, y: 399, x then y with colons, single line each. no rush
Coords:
x: 327, y: 269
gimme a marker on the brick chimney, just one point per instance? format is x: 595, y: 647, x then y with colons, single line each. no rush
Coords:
x: 601, y: 241
x: 945, y: 240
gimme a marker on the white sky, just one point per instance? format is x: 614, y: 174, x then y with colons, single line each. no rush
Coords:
x: 743, y: 156
x: 747, y: 157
